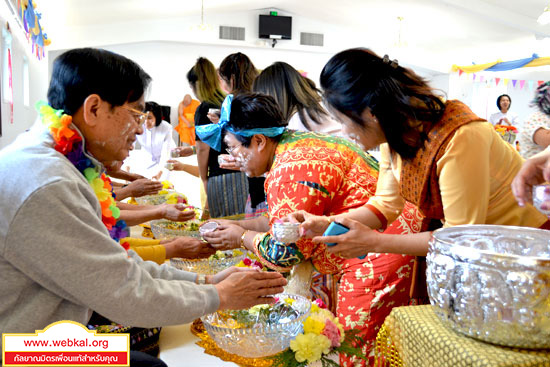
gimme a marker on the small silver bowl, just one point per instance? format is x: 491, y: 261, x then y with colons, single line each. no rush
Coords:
x: 208, y: 227
x: 541, y: 193
x: 492, y: 283
x: 286, y: 232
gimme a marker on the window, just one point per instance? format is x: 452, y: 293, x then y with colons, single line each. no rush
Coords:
x: 6, y: 67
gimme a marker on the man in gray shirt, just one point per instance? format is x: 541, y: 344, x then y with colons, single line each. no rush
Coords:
x: 57, y: 259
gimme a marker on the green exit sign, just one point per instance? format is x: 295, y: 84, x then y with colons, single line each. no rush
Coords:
x: 273, y: 13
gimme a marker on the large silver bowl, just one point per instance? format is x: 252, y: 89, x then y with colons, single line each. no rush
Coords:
x: 261, y: 339
x: 492, y: 283
x: 208, y: 265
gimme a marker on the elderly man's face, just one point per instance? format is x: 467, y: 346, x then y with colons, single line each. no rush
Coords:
x: 114, y: 134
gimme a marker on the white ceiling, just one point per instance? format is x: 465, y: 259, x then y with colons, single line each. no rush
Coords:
x: 465, y: 30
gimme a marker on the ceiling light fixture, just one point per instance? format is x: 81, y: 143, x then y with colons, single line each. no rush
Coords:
x: 544, y: 18
x: 203, y: 26
x: 401, y: 42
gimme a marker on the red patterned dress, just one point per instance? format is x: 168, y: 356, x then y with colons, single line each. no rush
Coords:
x: 326, y: 175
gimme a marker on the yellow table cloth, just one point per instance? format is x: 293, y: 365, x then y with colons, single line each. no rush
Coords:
x: 414, y: 336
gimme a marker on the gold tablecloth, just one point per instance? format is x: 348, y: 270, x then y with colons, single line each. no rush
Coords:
x: 414, y: 336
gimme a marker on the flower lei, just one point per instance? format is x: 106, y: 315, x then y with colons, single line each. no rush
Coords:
x: 69, y: 143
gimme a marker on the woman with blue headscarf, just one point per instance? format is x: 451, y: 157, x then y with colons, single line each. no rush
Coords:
x: 320, y: 174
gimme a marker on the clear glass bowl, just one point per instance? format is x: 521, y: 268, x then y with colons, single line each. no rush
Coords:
x: 260, y: 340
x: 166, y: 229
x: 207, y: 266
x: 492, y: 283
x: 152, y: 199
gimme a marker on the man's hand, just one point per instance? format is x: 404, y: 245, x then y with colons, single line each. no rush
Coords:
x: 176, y: 212
x: 226, y: 237
x: 187, y: 248
x: 143, y: 186
x: 216, y: 278
x: 245, y: 289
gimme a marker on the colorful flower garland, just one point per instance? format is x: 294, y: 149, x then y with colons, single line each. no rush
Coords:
x: 69, y: 143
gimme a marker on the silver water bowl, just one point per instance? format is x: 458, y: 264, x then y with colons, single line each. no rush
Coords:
x: 492, y: 283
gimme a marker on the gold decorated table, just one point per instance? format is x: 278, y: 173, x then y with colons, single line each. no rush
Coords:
x: 413, y: 336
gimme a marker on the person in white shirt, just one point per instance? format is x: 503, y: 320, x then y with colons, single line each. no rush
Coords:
x: 504, y: 116
x: 156, y: 141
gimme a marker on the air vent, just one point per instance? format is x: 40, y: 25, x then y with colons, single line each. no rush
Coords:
x: 231, y: 33
x: 311, y: 39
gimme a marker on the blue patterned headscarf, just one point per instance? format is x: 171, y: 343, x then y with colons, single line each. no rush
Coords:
x: 211, y: 134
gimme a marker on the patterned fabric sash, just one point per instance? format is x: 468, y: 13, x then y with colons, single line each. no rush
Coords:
x: 419, y: 181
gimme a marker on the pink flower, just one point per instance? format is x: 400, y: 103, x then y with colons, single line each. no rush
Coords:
x: 319, y: 302
x: 332, y: 333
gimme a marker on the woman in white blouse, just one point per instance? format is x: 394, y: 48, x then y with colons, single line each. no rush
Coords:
x: 504, y: 116
x: 156, y: 141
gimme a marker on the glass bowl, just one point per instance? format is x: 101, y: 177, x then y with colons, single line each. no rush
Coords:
x: 211, y: 265
x: 161, y: 198
x: 492, y: 283
x: 166, y: 229
x: 261, y: 339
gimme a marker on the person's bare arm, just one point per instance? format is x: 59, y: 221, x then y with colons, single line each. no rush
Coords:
x: 203, y: 151
x: 189, y: 168
x: 175, y: 212
x: 138, y: 188
x: 542, y: 137
x: 123, y: 175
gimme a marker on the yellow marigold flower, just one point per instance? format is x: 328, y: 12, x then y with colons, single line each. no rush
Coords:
x: 314, y: 308
x: 289, y: 301
x: 309, y: 347
x: 313, y: 325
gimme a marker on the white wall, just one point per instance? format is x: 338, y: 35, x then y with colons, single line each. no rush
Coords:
x: 169, y: 48
x: 23, y: 116
x: 169, y: 62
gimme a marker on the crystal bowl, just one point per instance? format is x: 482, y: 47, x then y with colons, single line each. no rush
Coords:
x: 166, y: 229
x: 152, y: 199
x: 260, y: 340
x: 208, y: 265
x: 492, y: 283
x: 158, y: 199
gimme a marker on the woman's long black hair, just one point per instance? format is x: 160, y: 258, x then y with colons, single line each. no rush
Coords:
x: 404, y: 104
